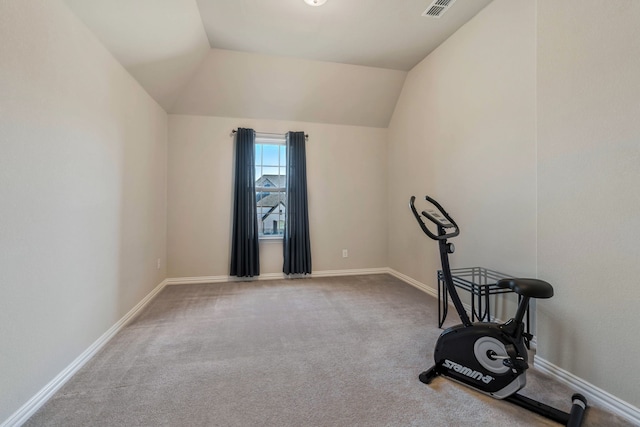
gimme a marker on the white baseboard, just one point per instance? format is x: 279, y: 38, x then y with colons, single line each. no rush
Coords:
x: 36, y: 402
x: 590, y: 391
x: 197, y: 280
x: 353, y: 272
x: 272, y: 276
x: 413, y: 282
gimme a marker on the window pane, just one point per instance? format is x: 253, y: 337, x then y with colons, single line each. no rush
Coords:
x: 270, y: 170
x: 270, y: 213
x: 258, y: 154
x: 270, y: 173
x: 270, y: 153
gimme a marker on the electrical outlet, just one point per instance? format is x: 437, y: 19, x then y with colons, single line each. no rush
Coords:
x: 345, y: 253
x: 158, y: 264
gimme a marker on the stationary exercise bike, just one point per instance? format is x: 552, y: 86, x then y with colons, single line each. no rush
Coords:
x: 488, y: 357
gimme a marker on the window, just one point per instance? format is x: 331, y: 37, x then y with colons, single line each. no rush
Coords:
x: 271, y: 181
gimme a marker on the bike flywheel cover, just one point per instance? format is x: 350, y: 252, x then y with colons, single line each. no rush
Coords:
x: 484, y: 347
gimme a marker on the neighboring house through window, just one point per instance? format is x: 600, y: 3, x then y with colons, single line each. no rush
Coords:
x: 271, y: 182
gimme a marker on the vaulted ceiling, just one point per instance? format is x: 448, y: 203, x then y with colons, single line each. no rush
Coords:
x: 344, y: 62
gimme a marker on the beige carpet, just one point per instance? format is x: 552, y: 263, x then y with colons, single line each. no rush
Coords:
x: 343, y: 351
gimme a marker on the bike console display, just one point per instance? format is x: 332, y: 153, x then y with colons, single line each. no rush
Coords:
x: 435, y: 213
x: 436, y: 217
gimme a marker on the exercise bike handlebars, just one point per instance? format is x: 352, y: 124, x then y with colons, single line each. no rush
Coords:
x: 440, y: 217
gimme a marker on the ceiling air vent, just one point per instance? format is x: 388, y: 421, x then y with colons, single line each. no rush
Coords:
x: 438, y: 8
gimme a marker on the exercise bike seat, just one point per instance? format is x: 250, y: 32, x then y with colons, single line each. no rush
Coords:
x: 532, y: 288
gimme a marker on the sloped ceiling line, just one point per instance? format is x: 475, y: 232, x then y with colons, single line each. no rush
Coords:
x: 341, y: 63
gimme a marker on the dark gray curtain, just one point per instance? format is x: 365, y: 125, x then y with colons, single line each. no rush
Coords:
x: 296, y: 243
x: 245, y: 261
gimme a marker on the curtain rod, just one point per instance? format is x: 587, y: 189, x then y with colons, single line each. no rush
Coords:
x: 269, y: 133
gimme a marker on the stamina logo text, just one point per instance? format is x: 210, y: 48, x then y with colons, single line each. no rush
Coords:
x: 468, y: 372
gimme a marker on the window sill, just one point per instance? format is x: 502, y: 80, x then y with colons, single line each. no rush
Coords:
x: 270, y: 239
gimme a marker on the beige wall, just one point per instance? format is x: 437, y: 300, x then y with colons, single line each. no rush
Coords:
x: 346, y: 170
x: 533, y: 122
x: 82, y: 194
x: 589, y: 189
x: 464, y: 132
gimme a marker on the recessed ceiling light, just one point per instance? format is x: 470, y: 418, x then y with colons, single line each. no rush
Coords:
x: 315, y: 2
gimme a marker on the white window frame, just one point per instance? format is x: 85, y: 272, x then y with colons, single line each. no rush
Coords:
x: 270, y: 139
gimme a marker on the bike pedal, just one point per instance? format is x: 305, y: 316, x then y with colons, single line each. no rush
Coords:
x: 519, y: 365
